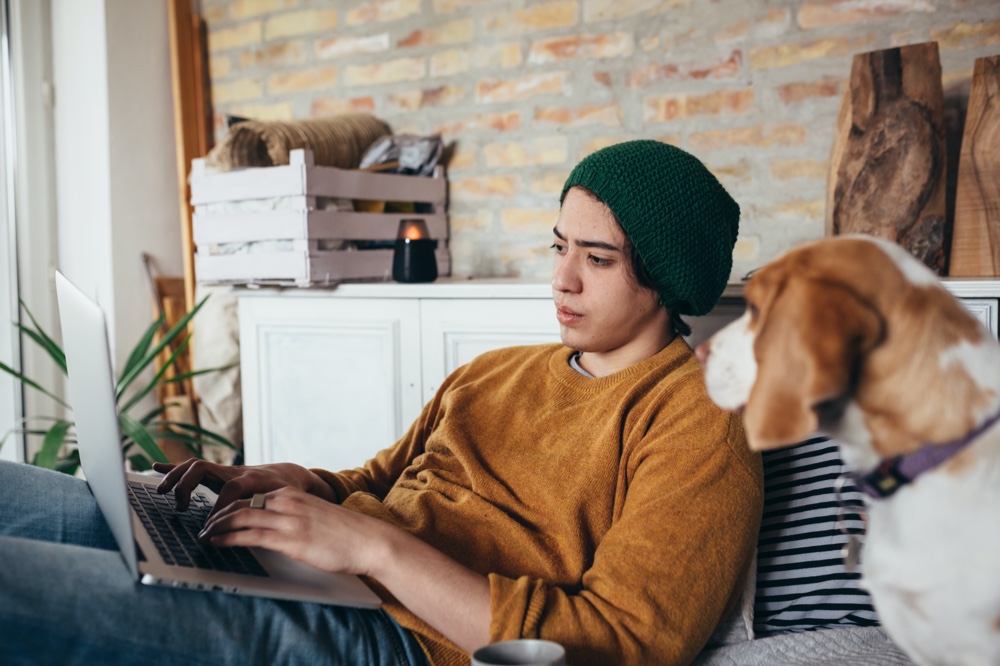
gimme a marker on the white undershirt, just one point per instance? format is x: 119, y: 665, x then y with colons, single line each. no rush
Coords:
x: 574, y: 362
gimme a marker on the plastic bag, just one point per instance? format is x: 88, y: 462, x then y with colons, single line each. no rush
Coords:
x: 404, y: 153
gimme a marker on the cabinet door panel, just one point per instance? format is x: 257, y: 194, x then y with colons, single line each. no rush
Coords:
x: 985, y: 310
x: 326, y: 383
x: 457, y: 330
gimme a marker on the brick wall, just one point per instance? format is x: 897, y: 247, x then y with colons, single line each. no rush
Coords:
x: 526, y: 88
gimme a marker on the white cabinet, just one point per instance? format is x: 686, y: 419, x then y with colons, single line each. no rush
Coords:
x: 321, y: 375
x: 981, y: 296
x: 331, y: 377
x: 454, y: 331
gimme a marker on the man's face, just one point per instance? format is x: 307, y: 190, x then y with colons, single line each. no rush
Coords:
x: 601, y: 309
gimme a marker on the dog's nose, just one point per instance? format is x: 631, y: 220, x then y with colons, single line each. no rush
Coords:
x: 702, y: 351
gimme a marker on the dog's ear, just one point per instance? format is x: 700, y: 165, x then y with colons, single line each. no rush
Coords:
x: 809, y: 347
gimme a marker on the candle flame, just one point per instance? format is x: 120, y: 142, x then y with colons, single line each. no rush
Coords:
x: 413, y: 229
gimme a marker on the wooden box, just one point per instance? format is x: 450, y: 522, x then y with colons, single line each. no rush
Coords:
x: 302, y: 224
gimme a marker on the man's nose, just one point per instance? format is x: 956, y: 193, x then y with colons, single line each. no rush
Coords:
x: 564, y: 277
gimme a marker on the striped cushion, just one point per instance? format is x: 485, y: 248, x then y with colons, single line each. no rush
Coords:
x: 802, y: 583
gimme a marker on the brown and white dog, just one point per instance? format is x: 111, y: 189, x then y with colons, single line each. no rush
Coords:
x: 853, y: 337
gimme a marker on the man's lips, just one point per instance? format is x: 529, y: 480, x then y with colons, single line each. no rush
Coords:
x: 567, y: 316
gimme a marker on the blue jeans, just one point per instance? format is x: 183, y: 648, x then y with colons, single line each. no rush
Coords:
x: 66, y: 597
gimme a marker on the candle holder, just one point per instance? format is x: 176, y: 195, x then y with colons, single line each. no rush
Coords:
x: 414, y: 260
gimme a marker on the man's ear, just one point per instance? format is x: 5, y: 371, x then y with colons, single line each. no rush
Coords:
x: 810, y: 345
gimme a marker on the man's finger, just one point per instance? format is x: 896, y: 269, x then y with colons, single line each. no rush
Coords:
x: 219, y: 513
x: 196, y: 473
x: 172, y: 475
x: 232, y: 490
x: 239, y: 516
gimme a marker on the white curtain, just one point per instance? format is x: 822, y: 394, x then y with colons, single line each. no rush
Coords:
x: 10, y: 391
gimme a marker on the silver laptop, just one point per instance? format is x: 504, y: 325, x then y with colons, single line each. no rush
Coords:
x: 136, y: 513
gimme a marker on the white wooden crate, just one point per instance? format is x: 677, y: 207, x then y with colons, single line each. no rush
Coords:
x: 230, y: 208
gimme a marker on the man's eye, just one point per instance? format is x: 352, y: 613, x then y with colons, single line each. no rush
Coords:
x: 600, y: 261
x: 558, y: 248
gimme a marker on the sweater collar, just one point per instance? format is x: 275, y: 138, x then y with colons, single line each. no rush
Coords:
x: 674, y: 354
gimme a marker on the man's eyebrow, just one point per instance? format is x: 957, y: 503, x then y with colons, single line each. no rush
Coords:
x: 585, y: 243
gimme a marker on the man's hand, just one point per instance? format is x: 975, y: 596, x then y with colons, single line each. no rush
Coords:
x: 447, y: 595
x: 236, y: 482
x: 303, y: 527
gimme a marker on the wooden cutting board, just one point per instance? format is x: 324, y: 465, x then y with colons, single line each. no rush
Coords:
x: 975, y: 245
x: 888, y: 159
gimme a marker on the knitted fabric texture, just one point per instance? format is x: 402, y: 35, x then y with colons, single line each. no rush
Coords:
x: 621, y: 573
x: 678, y: 216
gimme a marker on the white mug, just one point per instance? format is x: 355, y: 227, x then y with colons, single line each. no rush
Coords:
x: 520, y: 652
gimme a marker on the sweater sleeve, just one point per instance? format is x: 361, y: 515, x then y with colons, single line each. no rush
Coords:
x: 378, y: 474
x: 673, y: 561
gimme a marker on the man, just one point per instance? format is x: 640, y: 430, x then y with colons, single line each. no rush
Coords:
x: 588, y: 493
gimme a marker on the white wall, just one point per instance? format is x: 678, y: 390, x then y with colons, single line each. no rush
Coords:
x: 83, y: 148
x: 116, y: 186
x: 96, y: 175
x: 145, y: 210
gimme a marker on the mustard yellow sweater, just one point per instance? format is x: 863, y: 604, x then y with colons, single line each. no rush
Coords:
x: 615, y: 515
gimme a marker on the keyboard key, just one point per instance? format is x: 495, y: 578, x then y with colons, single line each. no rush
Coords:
x: 175, y: 533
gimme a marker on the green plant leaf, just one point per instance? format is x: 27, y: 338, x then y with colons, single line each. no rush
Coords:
x: 139, y: 437
x: 46, y: 342
x: 166, y: 340
x: 141, y: 347
x: 42, y: 433
x: 199, y: 431
x: 153, y: 413
x: 163, y: 368
x: 53, y: 441
x: 137, y: 432
x: 180, y: 437
x: 70, y: 463
x: 17, y: 375
x: 139, y: 463
x: 195, y: 373
x: 193, y: 444
x: 22, y: 421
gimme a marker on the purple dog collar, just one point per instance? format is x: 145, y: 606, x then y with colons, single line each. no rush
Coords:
x: 894, y: 473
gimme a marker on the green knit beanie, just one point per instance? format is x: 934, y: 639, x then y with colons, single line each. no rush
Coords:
x: 680, y: 219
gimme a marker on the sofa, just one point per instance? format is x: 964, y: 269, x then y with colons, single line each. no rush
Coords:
x: 801, y: 605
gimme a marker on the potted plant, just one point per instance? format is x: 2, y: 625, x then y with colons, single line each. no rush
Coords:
x: 139, y: 433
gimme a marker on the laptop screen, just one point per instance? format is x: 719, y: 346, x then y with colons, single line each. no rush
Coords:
x: 92, y: 396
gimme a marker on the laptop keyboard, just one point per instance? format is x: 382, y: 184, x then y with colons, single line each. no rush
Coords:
x: 175, y: 532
